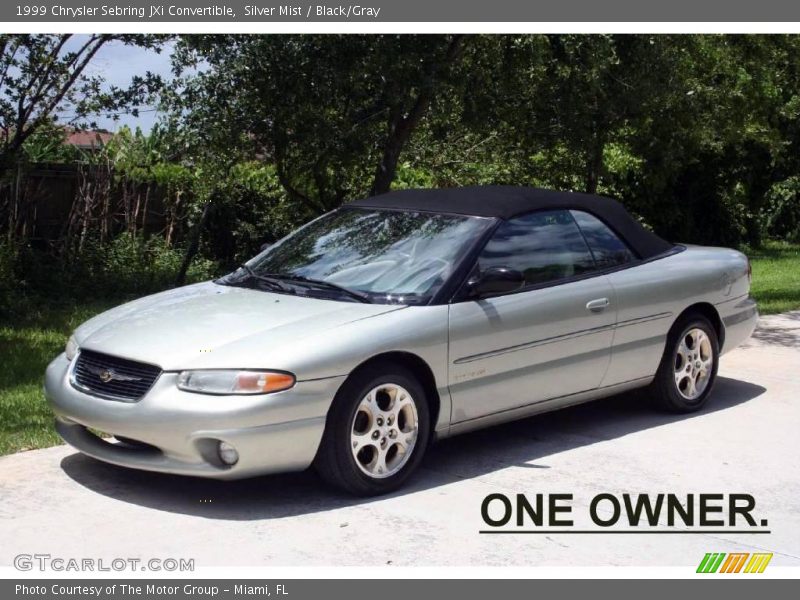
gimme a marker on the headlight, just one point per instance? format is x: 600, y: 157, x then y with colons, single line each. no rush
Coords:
x: 71, y: 349
x: 214, y: 381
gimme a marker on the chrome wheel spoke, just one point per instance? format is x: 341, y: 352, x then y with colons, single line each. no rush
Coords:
x: 407, y: 440
x: 690, y: 389
x: 371, y: 402
x: 380, y: 468
x: 401, y: 402
x: 700, y: 383
x: 358, y: 442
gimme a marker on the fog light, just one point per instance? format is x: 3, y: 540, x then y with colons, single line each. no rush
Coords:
x: 227, y: 453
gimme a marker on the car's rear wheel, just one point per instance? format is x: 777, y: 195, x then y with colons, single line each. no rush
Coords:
x: 689, y: 366
x: 376, y: 432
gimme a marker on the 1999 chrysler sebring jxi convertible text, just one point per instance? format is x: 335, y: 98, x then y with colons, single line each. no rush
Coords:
x: 358, y: 339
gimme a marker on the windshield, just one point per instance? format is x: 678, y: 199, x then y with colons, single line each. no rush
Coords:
x: 383, y: 256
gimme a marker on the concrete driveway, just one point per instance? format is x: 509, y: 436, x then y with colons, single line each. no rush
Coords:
x: 747, y: 440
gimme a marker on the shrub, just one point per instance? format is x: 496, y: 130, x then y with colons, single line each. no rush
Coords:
x: 250, y: 209
x: 142, y: 265
x: 7, y: 276
x: 127, y: 266
x: 781, y: 215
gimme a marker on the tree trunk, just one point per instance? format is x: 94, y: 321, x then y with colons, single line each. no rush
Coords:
x: 86, y: 194
x: 594, y: 165
x: 387, y: 167
x: 146, y: 208
x: 590, y: 184
x: 13, y: 213
x: 194, y: 245
x: 135, y: 218
x: 105, y: 207
x: 401, y: 127
x: 171, y: 214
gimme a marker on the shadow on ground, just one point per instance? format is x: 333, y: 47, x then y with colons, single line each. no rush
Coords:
x: 785, y: 333
x: 522, y: 444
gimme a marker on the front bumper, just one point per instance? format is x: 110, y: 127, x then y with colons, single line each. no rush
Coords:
x: 179, y: 431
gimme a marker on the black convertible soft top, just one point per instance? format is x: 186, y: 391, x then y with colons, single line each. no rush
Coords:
x: 505, y: 202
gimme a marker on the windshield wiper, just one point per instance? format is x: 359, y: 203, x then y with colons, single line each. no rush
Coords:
x: 270, y: 281
x: 359, y: 296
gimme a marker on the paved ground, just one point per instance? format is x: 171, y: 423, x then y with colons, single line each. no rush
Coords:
x: 59, y: 502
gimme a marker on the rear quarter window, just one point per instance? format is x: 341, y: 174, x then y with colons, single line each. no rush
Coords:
x: 606, y: 246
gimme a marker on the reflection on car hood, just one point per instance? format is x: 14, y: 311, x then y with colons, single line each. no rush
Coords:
x: 192, y: 326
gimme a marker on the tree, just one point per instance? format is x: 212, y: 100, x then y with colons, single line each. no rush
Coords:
x: 333, y: 113
x: 42, y: 78
x: 716, y: 136
x: 40, y: 74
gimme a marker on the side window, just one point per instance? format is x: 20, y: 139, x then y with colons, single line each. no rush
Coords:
x: 607, y: 248
x: 544, y: 246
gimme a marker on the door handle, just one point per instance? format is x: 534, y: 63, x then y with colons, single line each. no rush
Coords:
x: 598, y: 305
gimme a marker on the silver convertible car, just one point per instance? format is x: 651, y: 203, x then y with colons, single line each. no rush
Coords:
x: 370, y: 332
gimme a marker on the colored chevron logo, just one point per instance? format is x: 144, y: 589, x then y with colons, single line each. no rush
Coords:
x: 734, y: 562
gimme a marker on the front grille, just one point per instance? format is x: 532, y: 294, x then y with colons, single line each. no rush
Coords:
x: 113, y: 377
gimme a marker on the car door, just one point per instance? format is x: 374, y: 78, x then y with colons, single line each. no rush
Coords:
x: 550, y: 339
x: 640, y: 292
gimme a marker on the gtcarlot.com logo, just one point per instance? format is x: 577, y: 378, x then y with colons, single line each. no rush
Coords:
x: 47, y: 562
x: 734, y: 562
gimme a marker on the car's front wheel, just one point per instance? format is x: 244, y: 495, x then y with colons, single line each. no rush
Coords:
x: 689, y: 366
x: 376, y: 432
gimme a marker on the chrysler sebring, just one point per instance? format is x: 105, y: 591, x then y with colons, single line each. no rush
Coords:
x: 368, y: 333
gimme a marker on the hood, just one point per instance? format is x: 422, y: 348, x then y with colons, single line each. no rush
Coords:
x: 204, y: 325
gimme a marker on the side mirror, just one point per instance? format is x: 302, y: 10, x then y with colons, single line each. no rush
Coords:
x: 495, y: 281
x: 265, y: 246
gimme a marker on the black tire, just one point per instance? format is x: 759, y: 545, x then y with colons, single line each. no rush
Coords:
x: 335, y: 461
x: 666, y: 392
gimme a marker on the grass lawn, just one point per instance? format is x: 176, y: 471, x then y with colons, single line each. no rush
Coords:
x: 26, y: 347
x: 28, y: 344
x: 776, y: 277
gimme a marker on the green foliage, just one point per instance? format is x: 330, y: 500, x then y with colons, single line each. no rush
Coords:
x: 781, y: 214
x: 8, y: 260
x: 41, y: 75
x: 690, y: 132
x: 138, y: 265
x: 327, y: 110
x: 251, y: 208
x: 409, y: 177
x: 128, y: 266
x: 46, y: 145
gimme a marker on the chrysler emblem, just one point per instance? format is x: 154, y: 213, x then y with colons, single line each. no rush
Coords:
x: 106, y: 375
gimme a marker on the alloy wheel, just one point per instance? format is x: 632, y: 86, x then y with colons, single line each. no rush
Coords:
x: 384, y: 431
x: 694, y: 362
